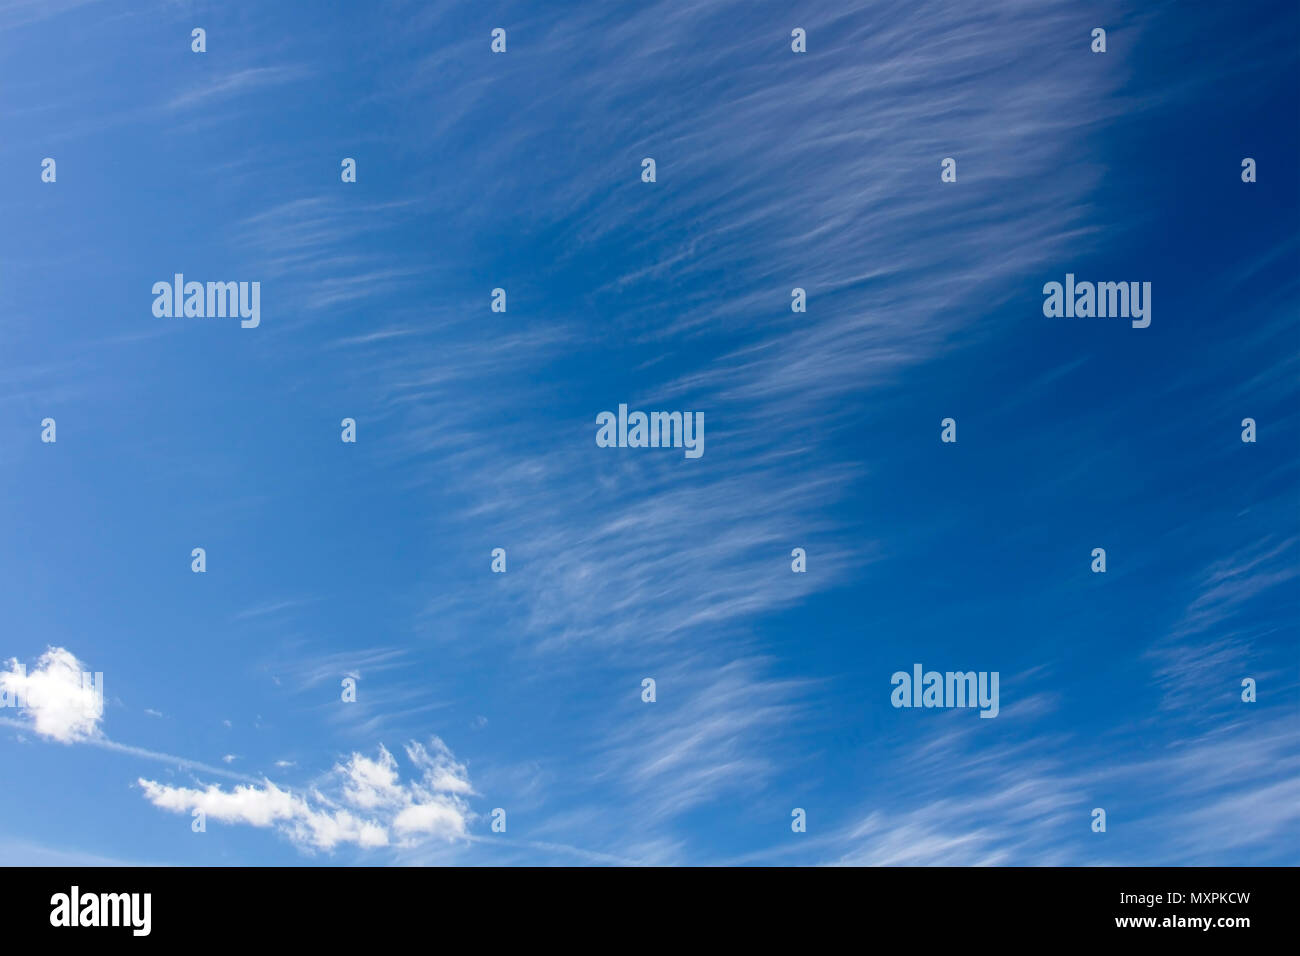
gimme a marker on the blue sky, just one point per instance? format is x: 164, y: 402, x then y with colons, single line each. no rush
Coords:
x: 476, y: 430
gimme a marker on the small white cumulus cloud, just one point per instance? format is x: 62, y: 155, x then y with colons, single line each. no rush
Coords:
x: 365, y: 802
x: 60, y: 696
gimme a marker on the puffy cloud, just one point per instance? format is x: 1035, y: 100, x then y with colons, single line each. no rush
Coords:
x: 54, y: 696
x: 370, y: 784
x: 364, y: 802
x: 258, y: 806
x: 438, y: 817
x: 440, y: 769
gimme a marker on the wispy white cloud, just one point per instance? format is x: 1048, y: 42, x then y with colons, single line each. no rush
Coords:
x: 17, y: 13
x: 762, y: 187
x: 1223, y: 789
x: 1210, y: 649
x: 705, y: 736
x: 173, y: 760
x: 268, y: 608
x: 233, y: 84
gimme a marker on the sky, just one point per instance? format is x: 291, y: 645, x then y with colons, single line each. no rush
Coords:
x: 522, y: 691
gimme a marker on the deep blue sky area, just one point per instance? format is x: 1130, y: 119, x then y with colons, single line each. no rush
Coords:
x: 518, y: 696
